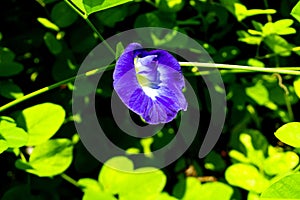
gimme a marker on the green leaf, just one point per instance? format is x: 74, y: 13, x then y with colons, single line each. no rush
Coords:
x: 130, y: 183
x: 52, y: 43
x: 280, y: 162
x: 285, y: 188
x: 88, y: 7
x: 113, y: 15
x: 247, y: 38
x: 62, y: 15
x: 280, y: 27
x: 15, y: 137
x: 278, y: 45
x: 255, y: 62
x: 241, y: 12
x: 289, y: 133
x: 6, y: 55
x: 214, y: 161
x: 297, y: 87
x: 3, y: 145
x: 187, y: 189
x: 111, y: 168
x: 51, y: 158
x: 296, y: 12
x: 10, y: 90
x: 92, y: 190
x: 41, y: 121
x: 216, y: 191
x: 247, y: 177
x: 10, y: 68
x: 258, y: 93
x: 169, y: 5
x: 119, y: 49
x: 48, y: 24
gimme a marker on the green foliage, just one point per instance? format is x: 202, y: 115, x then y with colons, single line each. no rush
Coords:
x: 44, y: 42
x: 289, y: 133
x: 41, y: 121
x: 49, y: 158
x: 285, y: 188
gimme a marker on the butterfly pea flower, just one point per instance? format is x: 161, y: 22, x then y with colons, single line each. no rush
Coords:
x: 150, y: 83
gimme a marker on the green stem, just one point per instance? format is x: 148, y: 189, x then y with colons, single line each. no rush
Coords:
x: 76, y: 9
x: 70, y: 180
x: 241, y: 67
x: 85, y: 17
x: 56, y: 85
x: 100, y: 36
x: 234, y: 68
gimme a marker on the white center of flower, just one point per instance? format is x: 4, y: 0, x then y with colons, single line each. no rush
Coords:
x: 152, y: 93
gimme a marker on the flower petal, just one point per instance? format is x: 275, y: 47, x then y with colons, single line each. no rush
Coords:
x: 150, y: 83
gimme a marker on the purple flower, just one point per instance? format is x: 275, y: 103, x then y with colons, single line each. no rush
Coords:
x: 150, y: 83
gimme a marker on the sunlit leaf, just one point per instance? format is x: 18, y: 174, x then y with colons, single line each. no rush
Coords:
x: 41, y: 121
x: 284, y: 189
x: 296, y: 12
x: 258, y: 93
x: 289, y: 133
x: 297, y: 87
x: 48, y: 24
x: 88, y: 7
x: 51, y: 158
x: 169, y: 5
x: 247, y: 177
x: 280, y: 162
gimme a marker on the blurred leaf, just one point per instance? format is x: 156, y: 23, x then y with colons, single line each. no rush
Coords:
x: 62, y: 15
x: 119, y: 49
x: 285, y: 188
x: 213, y: 161
x: 169, y: 5
x: 280, y: 27
x: 216, y: 191
x: 48, y: 24
x: 6, y: 55
x: 52, y: 43
x: 289, y: 133
x: 10, y: 90
x: 278, y: 45
x: 22, y: 192
x: 296, y: 12
x: 247, y: 177
x: 51, y: 158
x: 41, y: 121
x: 187, y: 189
x: 247, y: 38
x: 258, y: 93
x: 112, y: 16
x: 297, y: 87
x: 10, y: 68
x: 155, y: 19
x: 241, y: 12
x: 226, y: 53
x: 280, y: 162
x: 255, y: 62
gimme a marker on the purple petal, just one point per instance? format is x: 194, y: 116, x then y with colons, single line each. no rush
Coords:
x: 150, y: 83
